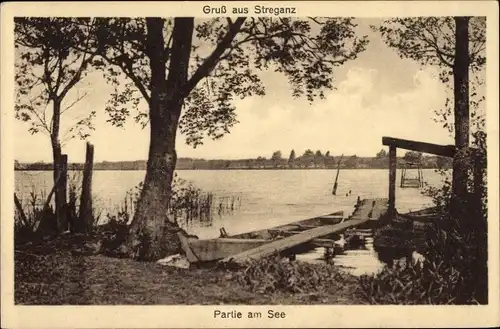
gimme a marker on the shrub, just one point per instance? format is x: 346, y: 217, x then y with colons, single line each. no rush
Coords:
x: 455, y: 268
x: 115, y: 231
x: 279, y: 274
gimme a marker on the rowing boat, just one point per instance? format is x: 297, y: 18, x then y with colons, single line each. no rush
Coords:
x: 206, y: 250
x: 421, y: 219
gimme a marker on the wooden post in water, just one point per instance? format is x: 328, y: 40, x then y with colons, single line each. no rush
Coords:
x: 392, y: 181
x: 334, y: 192
x: 61, y: 192
x: 86, y: 215
x: 370, y: 214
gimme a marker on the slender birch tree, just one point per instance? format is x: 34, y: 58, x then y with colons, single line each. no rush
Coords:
x: 49, y: 64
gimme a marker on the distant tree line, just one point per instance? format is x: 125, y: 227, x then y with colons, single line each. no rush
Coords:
x: 308, y: 160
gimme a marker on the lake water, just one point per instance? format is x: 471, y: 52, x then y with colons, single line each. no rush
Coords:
x: 268, y: 198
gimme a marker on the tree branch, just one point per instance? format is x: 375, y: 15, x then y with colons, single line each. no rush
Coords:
x: 43, y: 123
x: 37, y: 81
x: 315, y: 20
x: 127, y: 69
x: 59, y: 71
x: 212, y: 60
x: 47, y: 73
x: 76, y: 78
x: 79, y: 98
x: 135, y: 79
x: 439, y: 52
x: 478, y: 47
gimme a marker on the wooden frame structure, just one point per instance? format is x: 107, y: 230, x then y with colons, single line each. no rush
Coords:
x: 417, y: 182
x: 394, y: 143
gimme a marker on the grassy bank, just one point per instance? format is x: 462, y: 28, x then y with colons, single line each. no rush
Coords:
x: 51, y: 274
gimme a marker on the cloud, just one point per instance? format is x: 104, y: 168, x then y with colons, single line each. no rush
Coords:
x: 376, y: 95
x: 352, y: 120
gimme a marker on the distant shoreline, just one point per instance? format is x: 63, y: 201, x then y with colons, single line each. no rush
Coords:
x: 227, y: 169
x: 301, y: 163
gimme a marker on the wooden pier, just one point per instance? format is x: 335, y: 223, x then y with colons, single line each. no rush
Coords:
x: 366, y: 210
x: 370, y: 209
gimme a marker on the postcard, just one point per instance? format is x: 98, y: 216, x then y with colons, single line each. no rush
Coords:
x: 249, y: 164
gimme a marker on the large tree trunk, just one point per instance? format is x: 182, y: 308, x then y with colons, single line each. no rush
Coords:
x: 152, y: 234
x: 461, y: 163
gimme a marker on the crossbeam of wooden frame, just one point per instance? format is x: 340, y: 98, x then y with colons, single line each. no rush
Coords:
x: 442, y: 150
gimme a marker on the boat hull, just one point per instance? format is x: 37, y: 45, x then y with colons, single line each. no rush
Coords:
x: 215, y: 249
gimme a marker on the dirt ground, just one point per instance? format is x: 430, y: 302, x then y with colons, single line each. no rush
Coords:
x: 62, y: 278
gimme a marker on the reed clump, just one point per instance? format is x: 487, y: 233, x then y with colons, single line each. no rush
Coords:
x: 188, y: 204
x: 38, y: 218
x: 34, y: 210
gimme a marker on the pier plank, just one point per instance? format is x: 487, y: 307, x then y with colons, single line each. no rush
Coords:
x: 324, y: 243
x: 292, y: 241
x: 368, y: 209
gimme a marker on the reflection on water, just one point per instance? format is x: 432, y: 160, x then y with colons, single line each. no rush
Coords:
x: 390, y: 255
x: 357, y: 259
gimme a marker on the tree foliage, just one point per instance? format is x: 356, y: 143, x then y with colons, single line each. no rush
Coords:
x: 225, y: 58
x: 308, y: 153
x: 431, y: 41
x: 276, y: 158
x: 276, y: 155
x: 413, y: 156
x: 48, y: 65
x: 382, y: 153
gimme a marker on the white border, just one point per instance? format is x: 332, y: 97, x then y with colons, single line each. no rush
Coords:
x: 202, y: 316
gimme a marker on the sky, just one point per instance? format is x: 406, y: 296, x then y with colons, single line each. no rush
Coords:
x: 378, y: 94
